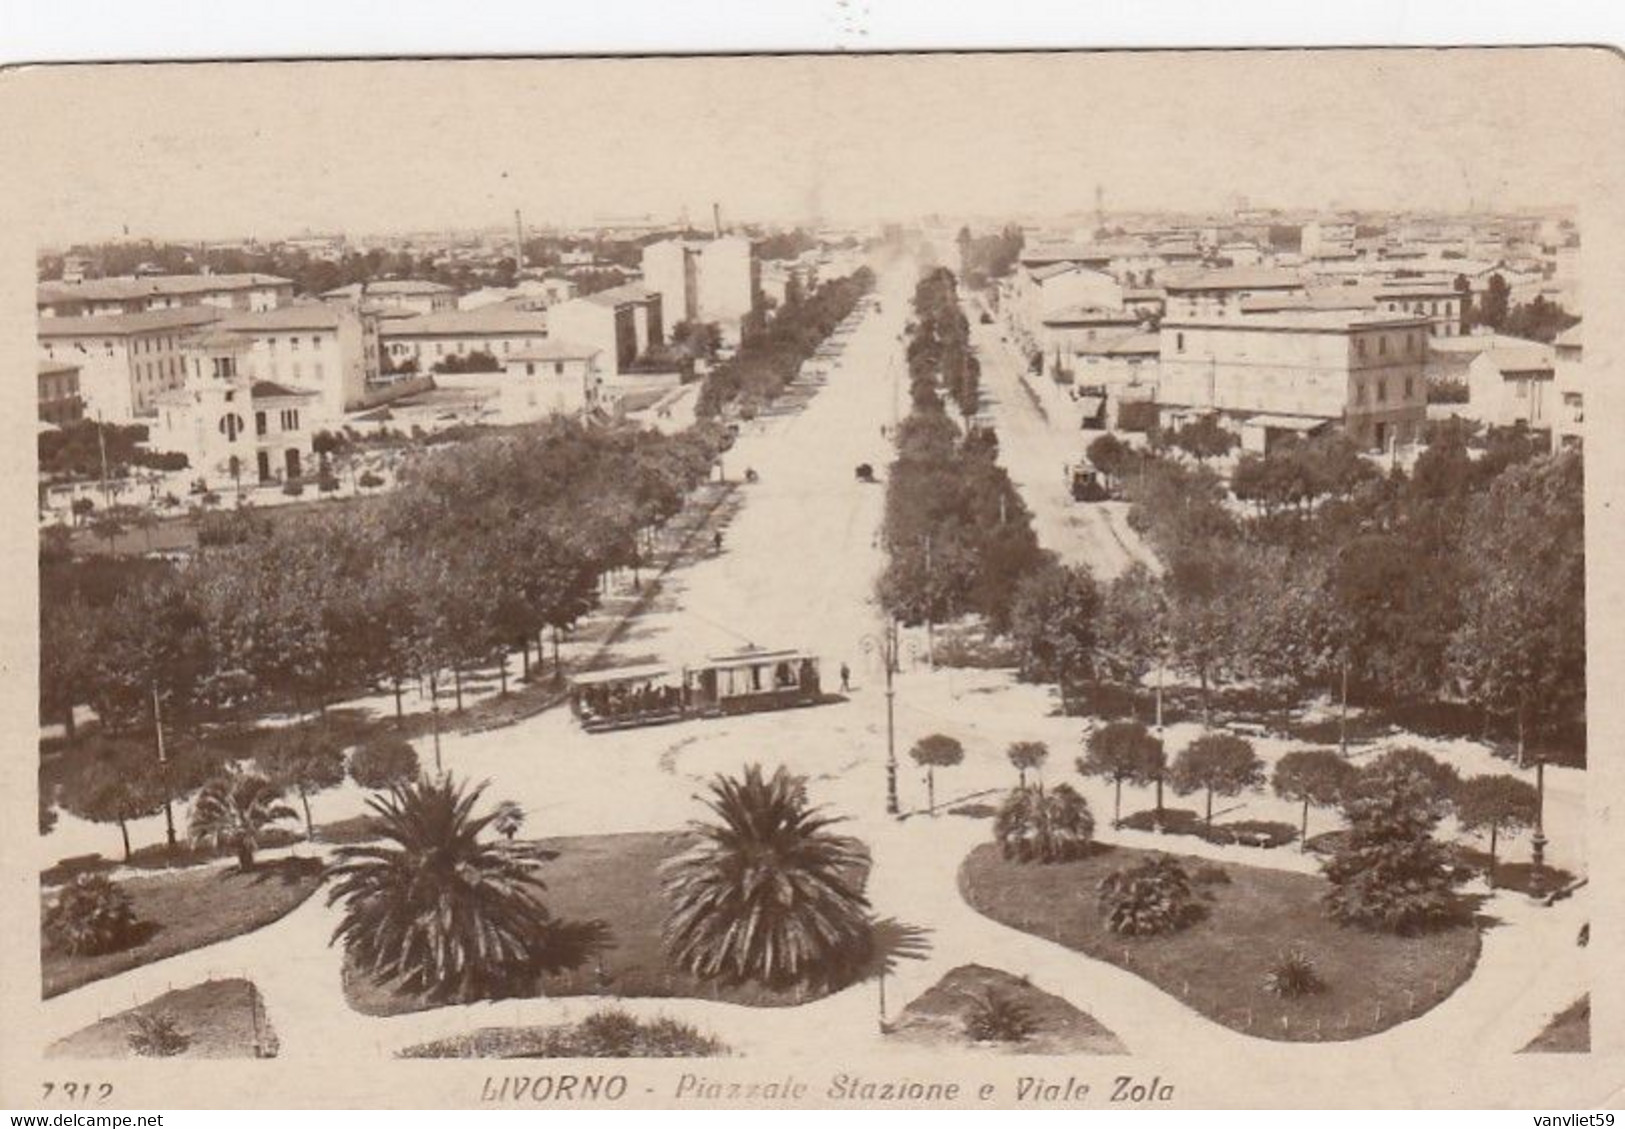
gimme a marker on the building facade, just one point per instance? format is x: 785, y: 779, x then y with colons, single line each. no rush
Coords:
x: 1360, y: 370
x: 125, y: 361
x: 550, y: 378
x: 620, y: 323
x: 58, y: 393
x: 112, y: 297
x: 431, y: 340
x: 331, y: 349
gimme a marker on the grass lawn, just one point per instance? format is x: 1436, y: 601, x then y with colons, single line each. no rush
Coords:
x: 1568, y: 1032
x: 937, y: 1017
x: 1218, y: 965
x: 221, y: 1018
x: 184, y: 910
x: 613, y: 878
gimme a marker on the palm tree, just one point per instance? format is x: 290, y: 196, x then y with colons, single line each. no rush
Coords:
x: 1035, y: 825
x: 234, y: 810
x: 1027, y: 754
x: 768, y: 893
x: 450, y: 915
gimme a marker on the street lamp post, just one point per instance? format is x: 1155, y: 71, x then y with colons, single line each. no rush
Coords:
x: 1537, y: 845
x: 887, y: 645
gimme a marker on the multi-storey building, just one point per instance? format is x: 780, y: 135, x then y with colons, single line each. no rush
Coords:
x: 430, y: 340
x: 125, y: 360
x: 59, y: 400
x: 620, y: 323
x: 415, y: 294
x: 1298, y: 370
x: 1221, y: 292
x: 112, y: 297
x: 329, y: 348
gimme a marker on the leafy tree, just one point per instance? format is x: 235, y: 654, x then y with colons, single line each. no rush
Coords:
x: 1442, y: 779
x: 383, y: 762
x: 769, y: 893
x: 1124, y: 750
x: 234, y: 811
x: 1111, y: 456
x: 441, y: 909
x: 1054, y: 622
x: 1204, y: 439
x: 931, y: 753
x: 90, y: 915
x: 156, y: 1034
x: 1500, y: 804
x: 1132, y: 630
x: 1217, y: 763
x: 1044, y: 825
x: 1026, y: 755
x: 305, y: 759
x: 117, y: 781
x: 510, y: 817
x: 1492, y: 307
x: 1150, y: 898
x: 1389, y: 872
x: 1312, y: 776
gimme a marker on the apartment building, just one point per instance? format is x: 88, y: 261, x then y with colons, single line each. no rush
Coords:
x: 59, y: 401
x: 329, y: 348
x: 125, y: 361
x: 432, y: 340
x: 620, y: 323
x: 418, y: 295
x: 1298, y: 370
x: 113, y: 297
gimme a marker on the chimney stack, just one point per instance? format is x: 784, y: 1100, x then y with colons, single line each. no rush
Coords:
x: 519, y: 245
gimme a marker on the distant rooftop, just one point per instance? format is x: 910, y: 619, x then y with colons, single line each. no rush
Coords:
x: 128, y: 287
x: 271, y: 390
x: 301, y: 315
x: 616, y: 295
x: 485, y: 320
x: 1305, y: 321
x: 49, y: 367
x: 1092, y: 315
x: 1230, y: 278
x: 122, y: 325
x: 388, y: 286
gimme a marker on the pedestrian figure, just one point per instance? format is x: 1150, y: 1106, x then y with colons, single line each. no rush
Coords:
x: 846, y: 678
x: 716, y: 540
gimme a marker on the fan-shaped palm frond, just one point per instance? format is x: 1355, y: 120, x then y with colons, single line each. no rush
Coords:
x: 447, y: 913
x: 768, y: 893
x: 234, y: 810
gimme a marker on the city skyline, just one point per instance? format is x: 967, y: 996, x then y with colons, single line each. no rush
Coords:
x: 378, y: 148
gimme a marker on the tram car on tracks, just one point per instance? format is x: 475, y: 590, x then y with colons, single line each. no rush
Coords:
x: 747, y: 681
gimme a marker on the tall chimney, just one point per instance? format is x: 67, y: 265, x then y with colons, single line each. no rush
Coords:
x: 716, y: 219
x: 519, y: 244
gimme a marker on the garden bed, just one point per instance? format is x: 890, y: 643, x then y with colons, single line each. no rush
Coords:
x: 938, y: 1017
x: 604, y: 1034
x: 1217, y: 965
x: 614, y: 879
x: 220, y: 1019
x: 1568, y: 1032
x: 184, y: 910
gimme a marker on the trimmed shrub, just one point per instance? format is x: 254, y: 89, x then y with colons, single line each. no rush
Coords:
x: 91, y: 915
x: 997, y: 1018
x: 1258, y: 833
x: 1210, y: 874
x: 1293, y: 976
x: 1175, y: 821
x: 383, y: 762
x: 1150, y: 898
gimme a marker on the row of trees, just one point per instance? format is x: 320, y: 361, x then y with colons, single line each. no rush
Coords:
x: 771, y: 351
x: 957, y: 534
x: 1462, y: 580
x: 984, y: 258
x: 486, y: 545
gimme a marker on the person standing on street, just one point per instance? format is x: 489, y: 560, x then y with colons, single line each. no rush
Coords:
x: 846, y: 678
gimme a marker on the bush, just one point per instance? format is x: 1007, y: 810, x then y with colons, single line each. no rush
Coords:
x: 1035, y: 825
x: 1258, y: 833
x: 1151, y: 898
x: 156, y: 1034
x: 90, y: 916
x: 293, y: 489
x: 383, y: 762
x: 604, y: 1034
x: 997, y: 1018
x: 327, y: 483
x: 1210, y: 874
x: 1175, y: 821
x: 1293, y: 976
x: 975, y: 810
x: 370, y: 481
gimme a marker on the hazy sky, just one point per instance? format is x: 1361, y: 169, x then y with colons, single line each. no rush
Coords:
x: 268, y: 150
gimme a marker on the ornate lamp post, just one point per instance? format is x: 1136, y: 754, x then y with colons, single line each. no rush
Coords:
x: 886, y: 644
x: 1537, y: 845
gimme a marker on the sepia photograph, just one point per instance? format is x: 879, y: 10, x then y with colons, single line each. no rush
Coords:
x: 984, y: 580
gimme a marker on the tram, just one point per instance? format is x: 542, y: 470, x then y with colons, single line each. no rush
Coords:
x: 747, y: 681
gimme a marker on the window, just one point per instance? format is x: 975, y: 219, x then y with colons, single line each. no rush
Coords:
x: 1382, y: 391
x: 530, y: 368
x: 1410, y: 387
x: 1359, y: 392
x: 1359, y: 346
x: 315, y: 340
x: 1179, y: 342
x: 558, y: 368
x: 290, y: 419
x: 259, y: 423
x: 1382, y: 346
x: 271, y: 342
x: 293, y: 343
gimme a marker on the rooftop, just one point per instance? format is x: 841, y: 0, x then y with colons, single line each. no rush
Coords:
x: 390, y: 286
x: 1523, y: 359
x: 1231, y: 278
x: 551, y: 350
x: 1305, y: 321
x: 488, y: 320
x: 1092, y: 315
x: 53, y: 368
x: 271, y: 390
x: 303, y: 315
x: 616, y: 295
x: 124, y: 325
x: 126, y: 287
x: 1570, y: 338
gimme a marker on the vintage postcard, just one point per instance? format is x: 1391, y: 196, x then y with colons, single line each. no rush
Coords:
x: 1028, y: 580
